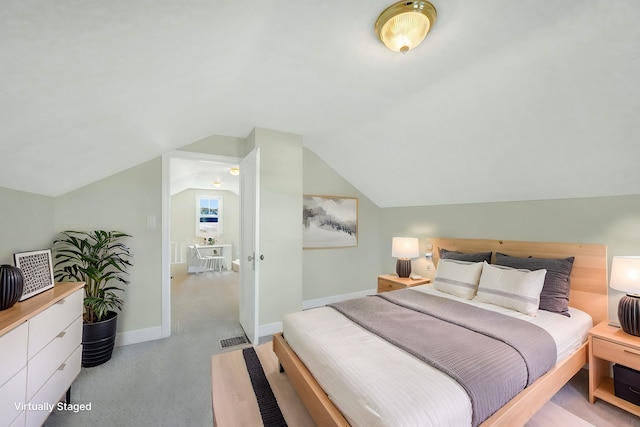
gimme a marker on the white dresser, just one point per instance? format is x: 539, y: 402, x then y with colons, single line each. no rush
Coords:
x: 40, y: 353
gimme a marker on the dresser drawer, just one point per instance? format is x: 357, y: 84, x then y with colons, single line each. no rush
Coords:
x: 56, y: 387
x: 12, y: 393
x: 616, y: 353
x: 45, y: 326
x: 14, y: 360
x: 47, y: 361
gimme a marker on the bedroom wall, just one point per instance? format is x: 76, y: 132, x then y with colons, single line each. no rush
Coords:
x: 220, y: 145
x: 26, y: 223
x: 331, y: 272
x: 614, y: 221
x: 124, y: 202
x: 281, y: 164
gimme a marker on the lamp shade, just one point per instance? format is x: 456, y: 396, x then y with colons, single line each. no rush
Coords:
x: 625, y: 274
x: 405, y: 247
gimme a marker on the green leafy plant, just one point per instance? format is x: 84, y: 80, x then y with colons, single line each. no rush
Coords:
x: 98, y: 258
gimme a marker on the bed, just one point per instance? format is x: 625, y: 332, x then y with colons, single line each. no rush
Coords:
x: 588, y: 296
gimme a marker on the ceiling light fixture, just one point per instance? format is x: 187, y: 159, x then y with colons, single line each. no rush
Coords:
x: 217, y: 184
x: 403, y: 25
x: 234, y: 171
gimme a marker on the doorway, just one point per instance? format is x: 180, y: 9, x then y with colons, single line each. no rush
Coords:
x: 186, y: 176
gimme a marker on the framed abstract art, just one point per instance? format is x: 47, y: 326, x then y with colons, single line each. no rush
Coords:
x: 329, y: 222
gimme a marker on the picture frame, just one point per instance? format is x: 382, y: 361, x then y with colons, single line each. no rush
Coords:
x: 37, y: 268
x: 329, y: 222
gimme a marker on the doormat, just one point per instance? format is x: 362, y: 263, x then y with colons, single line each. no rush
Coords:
x: 232, y: 342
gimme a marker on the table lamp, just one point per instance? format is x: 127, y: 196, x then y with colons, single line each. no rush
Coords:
x: 404, y: 248
x: 625, y: 276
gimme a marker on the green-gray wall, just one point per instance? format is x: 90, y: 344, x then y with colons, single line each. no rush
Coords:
x: 125, y: 202
x: 26, y: 223
x: 614, y: 221
x: 337, y: 271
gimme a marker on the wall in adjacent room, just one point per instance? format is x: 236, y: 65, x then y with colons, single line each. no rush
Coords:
x: 614, y: 221
x: 183, y: 218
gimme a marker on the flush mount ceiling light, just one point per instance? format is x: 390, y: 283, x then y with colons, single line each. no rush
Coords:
x: 217, y: 184
x: 234, y: 171
x: 403, y: 25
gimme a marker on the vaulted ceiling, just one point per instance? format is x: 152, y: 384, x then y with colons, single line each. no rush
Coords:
x: 503, y: 101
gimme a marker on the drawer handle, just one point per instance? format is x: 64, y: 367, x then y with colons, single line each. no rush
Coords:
x: 61, y: 301
x: 61, y: 368
x: 631, y: 352
x: 61, y: 334
x: 633, y: 390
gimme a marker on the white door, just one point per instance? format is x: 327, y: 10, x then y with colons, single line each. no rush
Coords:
x: 250, y: 247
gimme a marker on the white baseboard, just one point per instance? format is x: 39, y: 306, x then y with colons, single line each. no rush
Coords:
x: 138, y: 336
x: 319, y: 302
x: 269, y: 329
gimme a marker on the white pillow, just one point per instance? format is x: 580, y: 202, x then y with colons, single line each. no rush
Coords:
x: 459, y: 278
x: 511, y: 288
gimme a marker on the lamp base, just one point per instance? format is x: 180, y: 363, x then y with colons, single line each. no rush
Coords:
x: 629, y: 314
x: 403, y: 267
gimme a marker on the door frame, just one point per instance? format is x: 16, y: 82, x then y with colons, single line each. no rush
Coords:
x: 166, y: 225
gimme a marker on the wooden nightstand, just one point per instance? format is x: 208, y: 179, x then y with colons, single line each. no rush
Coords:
x: 391, y: 282
x: 610, y: 344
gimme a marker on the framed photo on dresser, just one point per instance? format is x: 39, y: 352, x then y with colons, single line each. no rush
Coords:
x: 37, y: 268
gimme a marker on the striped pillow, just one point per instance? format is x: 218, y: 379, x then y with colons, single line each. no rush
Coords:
x: 459, y: 278
x: 515, y: 289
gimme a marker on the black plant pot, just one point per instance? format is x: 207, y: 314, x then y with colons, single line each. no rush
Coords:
x: 11, y: 285
x: 98, y: 339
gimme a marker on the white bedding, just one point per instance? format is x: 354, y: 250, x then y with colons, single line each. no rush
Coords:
x: 374, y: 383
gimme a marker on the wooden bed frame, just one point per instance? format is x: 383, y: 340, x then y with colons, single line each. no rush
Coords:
x: 588, y: 293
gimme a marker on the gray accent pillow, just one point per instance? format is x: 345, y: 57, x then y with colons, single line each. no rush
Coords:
x: 555, y: 292
x: 461, y: 256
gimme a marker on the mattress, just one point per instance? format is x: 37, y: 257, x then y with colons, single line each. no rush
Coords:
x: 374, y: 383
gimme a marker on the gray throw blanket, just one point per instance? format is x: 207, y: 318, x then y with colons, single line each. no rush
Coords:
x: 492, y: 356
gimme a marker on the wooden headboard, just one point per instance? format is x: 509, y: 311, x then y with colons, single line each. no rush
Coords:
x: 588, y: 276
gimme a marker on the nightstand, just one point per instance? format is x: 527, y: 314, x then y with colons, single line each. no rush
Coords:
x: 608, y: 344
x: 391, y: 282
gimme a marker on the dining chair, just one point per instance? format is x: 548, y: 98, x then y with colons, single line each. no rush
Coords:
x: 206, y: 261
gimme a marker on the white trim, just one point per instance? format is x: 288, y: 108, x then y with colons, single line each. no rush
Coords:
x: 319, y: 302
x: 165, y: 250
x: 269, y: 329
x: 138, y: 336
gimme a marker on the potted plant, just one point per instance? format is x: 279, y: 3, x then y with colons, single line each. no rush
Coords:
x: 100, y: 259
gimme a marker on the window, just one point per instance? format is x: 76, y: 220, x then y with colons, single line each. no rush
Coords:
x: 208, y: 216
